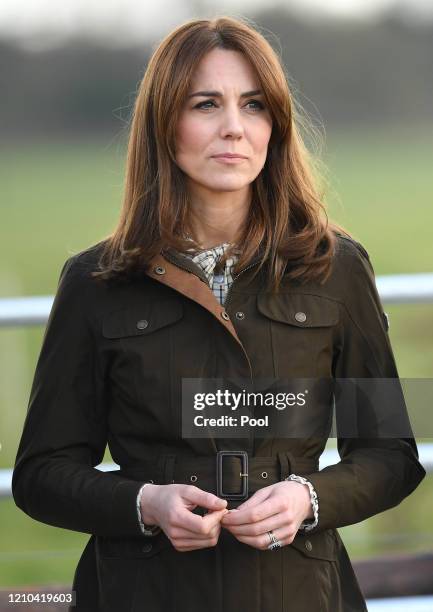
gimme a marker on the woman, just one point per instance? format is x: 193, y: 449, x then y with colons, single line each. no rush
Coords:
x: 220, y: 267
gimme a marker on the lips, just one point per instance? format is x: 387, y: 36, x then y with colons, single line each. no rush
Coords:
x: 231, y: 155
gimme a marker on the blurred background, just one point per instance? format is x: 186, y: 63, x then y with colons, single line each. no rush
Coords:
x: 362, y: 69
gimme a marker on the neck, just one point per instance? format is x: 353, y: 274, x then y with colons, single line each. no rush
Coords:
x: 218, y: 217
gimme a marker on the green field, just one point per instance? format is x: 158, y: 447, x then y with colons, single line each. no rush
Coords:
x: 58, y: 198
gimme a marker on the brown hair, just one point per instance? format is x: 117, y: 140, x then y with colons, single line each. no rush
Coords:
x: 287, y: 224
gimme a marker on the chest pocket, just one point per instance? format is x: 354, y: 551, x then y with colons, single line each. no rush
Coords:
x: 141, y: 320
x: 302, y: 330
x: 139, y: 346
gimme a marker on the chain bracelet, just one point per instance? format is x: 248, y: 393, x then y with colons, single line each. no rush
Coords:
x: 148, y: 530
x: 313, y: 498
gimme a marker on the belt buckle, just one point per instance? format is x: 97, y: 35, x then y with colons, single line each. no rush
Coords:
x: 243, y: 474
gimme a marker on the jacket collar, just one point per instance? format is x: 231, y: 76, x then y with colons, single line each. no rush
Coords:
x: 179, y: 272
x: 184, y: 262
x: 181, y: 260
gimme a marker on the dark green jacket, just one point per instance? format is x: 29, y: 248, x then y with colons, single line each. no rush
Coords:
x: 110, y: 370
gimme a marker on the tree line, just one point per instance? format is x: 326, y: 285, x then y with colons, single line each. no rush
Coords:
x: 341, y: 72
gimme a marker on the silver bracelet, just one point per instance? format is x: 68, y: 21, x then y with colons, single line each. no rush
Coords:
x: 148, y: 530
x: 313, y: 498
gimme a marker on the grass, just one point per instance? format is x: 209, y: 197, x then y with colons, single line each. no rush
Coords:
x: 61, y: 197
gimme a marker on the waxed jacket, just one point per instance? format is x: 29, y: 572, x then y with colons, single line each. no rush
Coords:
x: 110, y: 371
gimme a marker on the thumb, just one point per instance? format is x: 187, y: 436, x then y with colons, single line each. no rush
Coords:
x: 217, y: 503
x: 206, y: 500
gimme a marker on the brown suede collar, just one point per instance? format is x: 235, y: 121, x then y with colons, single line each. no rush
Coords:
x: 190, y: 285
x: 187, y: 282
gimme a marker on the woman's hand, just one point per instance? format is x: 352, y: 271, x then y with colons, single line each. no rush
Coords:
x: 169, y: 506
x: 280, y: 507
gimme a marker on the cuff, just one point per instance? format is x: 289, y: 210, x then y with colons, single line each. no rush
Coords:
x: 123, y: 513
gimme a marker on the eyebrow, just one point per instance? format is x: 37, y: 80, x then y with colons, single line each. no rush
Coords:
x: 218, y: 94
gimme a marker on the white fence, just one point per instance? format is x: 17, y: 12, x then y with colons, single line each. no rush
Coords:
x: 393, y: 289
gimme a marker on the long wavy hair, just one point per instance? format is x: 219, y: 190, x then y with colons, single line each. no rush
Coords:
x: 287, y: 224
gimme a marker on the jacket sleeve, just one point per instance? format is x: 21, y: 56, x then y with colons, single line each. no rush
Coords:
x: 375, y: 473
x: 65, y: 431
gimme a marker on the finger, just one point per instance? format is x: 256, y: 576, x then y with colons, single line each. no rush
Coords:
x: 181, y: 532
x: 213, y: 519
x: 260, y: 512
x: 199, y: 524
x: 203, y: 498
x: 185, y: 534
x: 190, y: 544
x: 263, y: 540
x: 258, y: 497
x: 273, y: 522
x: 255, y: 499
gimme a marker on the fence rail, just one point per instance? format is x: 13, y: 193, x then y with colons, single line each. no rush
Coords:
x: 392, y: 288
x: 329, y: 456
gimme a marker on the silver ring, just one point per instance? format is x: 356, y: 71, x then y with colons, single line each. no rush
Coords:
x: 275, y: 543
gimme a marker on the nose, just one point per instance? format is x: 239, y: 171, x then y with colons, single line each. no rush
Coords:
x: 231, y: 122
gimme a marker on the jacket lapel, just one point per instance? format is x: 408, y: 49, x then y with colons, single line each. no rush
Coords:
x: 187, y: 283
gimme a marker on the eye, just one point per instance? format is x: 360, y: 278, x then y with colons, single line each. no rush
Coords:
x: 203, y: 104
x: 260, y: 105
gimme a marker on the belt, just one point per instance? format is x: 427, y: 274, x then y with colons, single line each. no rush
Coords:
x: 231, y: 475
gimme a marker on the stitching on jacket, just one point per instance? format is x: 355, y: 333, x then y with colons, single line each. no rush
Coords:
x: 347, y: 309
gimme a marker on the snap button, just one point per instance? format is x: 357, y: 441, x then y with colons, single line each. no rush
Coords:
x: 264, y: 474
x: 240, y: 315
x: 225, y: 315
x: 142, y: 324
x: 308, y: 545
x: 146, y: 547
x: 301, y: 317
x: 159, y: 270
x: 193, y: 478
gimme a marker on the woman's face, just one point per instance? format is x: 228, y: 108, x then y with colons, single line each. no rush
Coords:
x: 223, y: 121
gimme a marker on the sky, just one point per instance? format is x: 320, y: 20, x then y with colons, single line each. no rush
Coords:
x: 39, y: 23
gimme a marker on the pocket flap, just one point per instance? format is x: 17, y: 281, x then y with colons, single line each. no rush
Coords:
x: 131, y: 547
x: 321, y: 545
x: 299, y: 309
x: 141, y: 320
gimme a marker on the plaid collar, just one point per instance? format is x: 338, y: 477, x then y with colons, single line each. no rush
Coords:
x: 207, y: 259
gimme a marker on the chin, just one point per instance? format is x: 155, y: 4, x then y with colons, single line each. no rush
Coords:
x: 226, y: 185
x: 227, y: 188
